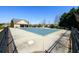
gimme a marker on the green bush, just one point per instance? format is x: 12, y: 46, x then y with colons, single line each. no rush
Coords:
x: 39, y: 25
x: 1, y: 26
x: 51, y: 26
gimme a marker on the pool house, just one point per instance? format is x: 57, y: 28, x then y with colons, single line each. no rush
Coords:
x: 18, y: 23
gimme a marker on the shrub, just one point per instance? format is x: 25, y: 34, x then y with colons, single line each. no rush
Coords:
x: 51, y: 26
x: 1, y: 26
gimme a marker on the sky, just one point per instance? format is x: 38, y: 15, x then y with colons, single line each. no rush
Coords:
x: 33, y: 14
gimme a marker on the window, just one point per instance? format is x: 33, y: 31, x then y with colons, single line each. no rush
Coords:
x: 21, y: 25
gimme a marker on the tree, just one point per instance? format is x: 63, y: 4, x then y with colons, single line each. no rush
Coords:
x: 1, y: 26
x: 39, y: 25
x: 78, y: 10
x: 68, y: 20
x: 51, y: 26
x: 73, y: 10
x: 12, y: 24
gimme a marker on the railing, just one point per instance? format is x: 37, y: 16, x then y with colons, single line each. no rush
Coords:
x: 7, y: 44
x: 74, y: 40
x: 49, y: 50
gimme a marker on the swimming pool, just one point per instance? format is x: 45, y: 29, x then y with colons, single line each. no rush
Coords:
x: 40, y: 31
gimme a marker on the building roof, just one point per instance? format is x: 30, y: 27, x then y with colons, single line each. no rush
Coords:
x: 18, y: 20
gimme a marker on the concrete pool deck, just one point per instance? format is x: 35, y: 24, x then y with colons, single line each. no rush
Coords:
x: 27, y: 42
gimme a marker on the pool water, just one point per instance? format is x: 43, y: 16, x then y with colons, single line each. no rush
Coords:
x: 40, y: 31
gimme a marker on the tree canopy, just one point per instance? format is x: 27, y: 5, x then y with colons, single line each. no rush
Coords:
x: 12, y: 24
x: 68, y: 20
x: 1, y: 26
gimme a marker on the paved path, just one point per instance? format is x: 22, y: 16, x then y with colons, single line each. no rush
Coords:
x: 29, y: 42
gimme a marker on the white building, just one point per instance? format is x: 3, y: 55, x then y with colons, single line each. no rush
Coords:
x: 20, y: 23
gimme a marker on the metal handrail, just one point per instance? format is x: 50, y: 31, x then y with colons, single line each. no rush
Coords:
x: 54, y: 45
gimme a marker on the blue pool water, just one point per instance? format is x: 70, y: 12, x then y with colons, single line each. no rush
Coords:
x: 40, y: 31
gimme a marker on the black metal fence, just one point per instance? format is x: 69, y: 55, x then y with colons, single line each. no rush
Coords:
x: 74, y: 40
x: 49, y: 50
x: 7, y: 44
